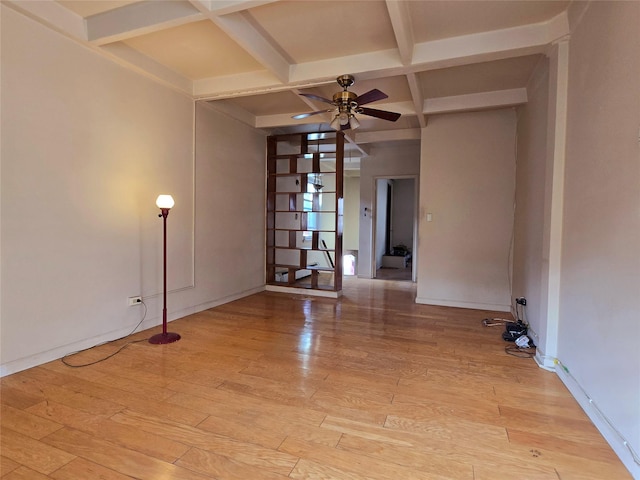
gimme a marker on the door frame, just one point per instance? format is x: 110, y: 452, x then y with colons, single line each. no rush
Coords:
x: 414, y: 246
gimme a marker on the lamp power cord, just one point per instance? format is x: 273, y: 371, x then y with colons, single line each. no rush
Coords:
x: 72, y: 365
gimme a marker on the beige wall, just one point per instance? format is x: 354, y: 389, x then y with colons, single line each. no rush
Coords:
x: 382, y: 163
x: 599, y: 324
x: 86, y: 148
x: 230, y: 185
x: 381, y: 215
x: 578, y: 217
x: 404, y: 205
x: 531, y: 173
x: 351, y: 209
x: 467, y: 181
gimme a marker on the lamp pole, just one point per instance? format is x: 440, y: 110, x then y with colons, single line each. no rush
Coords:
x: 164, y: 202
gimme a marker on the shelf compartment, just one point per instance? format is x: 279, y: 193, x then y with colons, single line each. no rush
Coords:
x: 307, y: 267
x: 303, y: 240
x: 306, y: 221
x: 304, y: 210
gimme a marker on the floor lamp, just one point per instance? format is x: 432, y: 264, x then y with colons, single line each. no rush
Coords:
x: 164, y: 203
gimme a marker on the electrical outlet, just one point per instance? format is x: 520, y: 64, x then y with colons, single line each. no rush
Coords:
x: 131, y: 301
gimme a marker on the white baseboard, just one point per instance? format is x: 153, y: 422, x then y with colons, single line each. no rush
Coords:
x: 31, y: 361
x: 213, y: 303
x: 547, y: 362
x: 20, y: 364
x: 461, y: 304
x: 544, y: 361
x: 303, y: 291
x: 610, y: 435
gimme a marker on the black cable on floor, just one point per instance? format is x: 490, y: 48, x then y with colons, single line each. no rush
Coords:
x: 516, y: 351
x: 64, y: 359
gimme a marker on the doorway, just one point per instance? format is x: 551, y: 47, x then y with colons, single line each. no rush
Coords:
x: 395, y: 227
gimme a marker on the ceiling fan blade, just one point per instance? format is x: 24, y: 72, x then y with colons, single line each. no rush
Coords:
x: 305, y: 115
x: 317, y: 98
x: 371, y: 96
x: 384, y: 115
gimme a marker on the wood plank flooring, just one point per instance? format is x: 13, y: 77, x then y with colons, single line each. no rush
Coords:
x: 275, y: 386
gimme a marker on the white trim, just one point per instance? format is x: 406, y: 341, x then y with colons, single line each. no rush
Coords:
x: 544, y: 361
x: 213, y: 303
x: 138, y: 19
x: 58, y: 352
x: 303, y: 291
x: 416, y: 206
x: 461, y: 304
x: 607, y: 430
x: 554, y: 194
x: 475, y: 101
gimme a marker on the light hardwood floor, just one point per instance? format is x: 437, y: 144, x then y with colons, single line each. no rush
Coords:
x: 275, y: 386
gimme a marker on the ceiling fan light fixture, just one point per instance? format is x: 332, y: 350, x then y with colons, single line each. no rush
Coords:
x: 348, y: 103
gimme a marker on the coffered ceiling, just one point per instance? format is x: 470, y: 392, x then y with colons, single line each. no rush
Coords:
x: 252, y: 58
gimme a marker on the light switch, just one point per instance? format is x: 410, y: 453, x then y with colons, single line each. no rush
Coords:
x: 429, y: 217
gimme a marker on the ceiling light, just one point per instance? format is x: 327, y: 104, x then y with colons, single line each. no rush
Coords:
x: 344, y: 118
x: 335, y: 123
x: 353, y: 122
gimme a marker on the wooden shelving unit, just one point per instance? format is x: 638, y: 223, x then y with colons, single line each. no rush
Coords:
x: 305, y: 210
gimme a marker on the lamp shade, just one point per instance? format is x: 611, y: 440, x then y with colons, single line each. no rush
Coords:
x: 165, y: 201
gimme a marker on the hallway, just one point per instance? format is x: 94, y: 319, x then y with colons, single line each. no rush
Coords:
x: 399, y: 274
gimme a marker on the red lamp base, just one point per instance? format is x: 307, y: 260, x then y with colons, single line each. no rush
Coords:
x: 163, y: 338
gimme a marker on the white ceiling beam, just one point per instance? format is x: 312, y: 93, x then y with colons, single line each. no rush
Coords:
x: 488, y: 46
x: 284, y: 119
x: 456, y: 51
x: 351, y: 145
x: 401, y: 23
x: 54, y: 15
x: 250, y: 83
x: 139, y: 19
x: 388, y: 135
x: 234, y: 111
x: 225, y: 7
x: 417, y: 97
x: 403, y: 108
x: 134, y: 60
x: 241, y: 30
x: 237, y: 85
x: 384, y: 61
x: 476, y: 101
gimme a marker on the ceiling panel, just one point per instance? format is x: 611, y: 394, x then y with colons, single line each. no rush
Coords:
x: 196, y: 50
x: 315, y: 30
x: 271, y: 103
x: 478, y: 77
x: 371, y: 124
x: 434, y: 20
x: 251, y: 57
x: 86, y: 8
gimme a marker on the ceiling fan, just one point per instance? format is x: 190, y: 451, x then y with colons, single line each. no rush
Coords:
x: 348, y: 104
